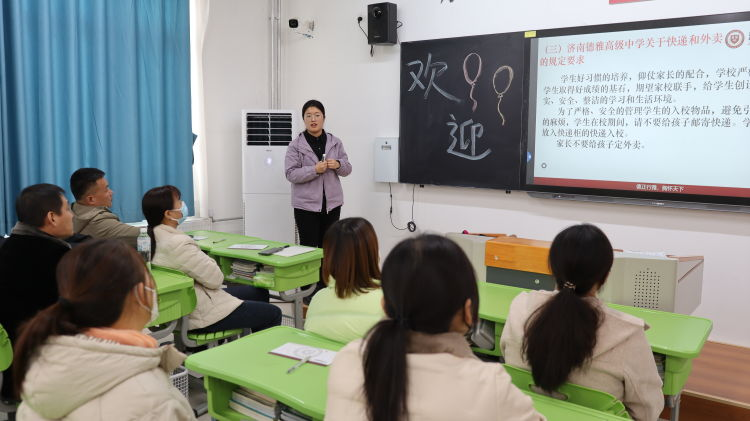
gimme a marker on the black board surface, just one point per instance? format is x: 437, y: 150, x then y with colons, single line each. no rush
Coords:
x: 461, y: 115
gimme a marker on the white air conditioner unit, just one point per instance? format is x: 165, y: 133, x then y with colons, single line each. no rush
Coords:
x: 266, y: 193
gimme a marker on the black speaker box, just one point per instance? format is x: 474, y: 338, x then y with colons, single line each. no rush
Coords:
x: 381, y: 23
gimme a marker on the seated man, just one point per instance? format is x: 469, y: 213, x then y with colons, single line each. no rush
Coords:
x: 91, y: 208
x: 29, y: 257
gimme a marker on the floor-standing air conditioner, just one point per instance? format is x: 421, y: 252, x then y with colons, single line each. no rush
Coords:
x: 266, y: 199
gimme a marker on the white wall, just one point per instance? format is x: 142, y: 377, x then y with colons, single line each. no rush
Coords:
x: 235, y: 71
x: 361, y: 95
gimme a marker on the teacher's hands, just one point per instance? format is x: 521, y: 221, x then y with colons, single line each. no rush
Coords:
x: 333, y: 164
x: 321, y: 167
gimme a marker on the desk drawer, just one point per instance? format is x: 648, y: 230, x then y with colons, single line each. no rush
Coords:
x: 281, y: 278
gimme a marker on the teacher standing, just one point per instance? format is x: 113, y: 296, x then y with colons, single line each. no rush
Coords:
x: 314, y: 161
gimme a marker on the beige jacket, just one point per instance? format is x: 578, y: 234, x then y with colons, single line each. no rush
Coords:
x: 622, y: 363
x: 100, y: 222
x: 446, y: 382
x: 176, y: 250
x: 82, y: 378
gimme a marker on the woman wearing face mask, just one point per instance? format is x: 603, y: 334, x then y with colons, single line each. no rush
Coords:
x: 217, y: 309
x: 85, y: 358
x: 416, y: 364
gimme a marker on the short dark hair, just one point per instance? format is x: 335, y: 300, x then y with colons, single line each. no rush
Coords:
x: 83, y: 179
x: 35, y: 201
x: 351, y: 256
x: 313, y: 103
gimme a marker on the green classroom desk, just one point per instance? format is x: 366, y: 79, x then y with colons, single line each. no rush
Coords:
x: 246, y: 362
x: 176, y: 297
x: 291, y: 274
x: 216, y: 238
x: 677, y: 336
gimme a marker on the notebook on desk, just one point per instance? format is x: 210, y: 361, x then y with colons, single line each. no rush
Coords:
x: 296, y: 351
x: 294, y: 251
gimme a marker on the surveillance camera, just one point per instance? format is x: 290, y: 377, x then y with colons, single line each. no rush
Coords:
x: 293, y: 23
x: 377, y: 12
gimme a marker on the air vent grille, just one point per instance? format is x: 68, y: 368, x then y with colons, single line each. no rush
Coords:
x: 268, y: 128
x: 647, y: 289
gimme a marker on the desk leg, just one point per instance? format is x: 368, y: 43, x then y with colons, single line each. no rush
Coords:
x: 297, y: 297
x: 673, y: 403
x: 299, y: 323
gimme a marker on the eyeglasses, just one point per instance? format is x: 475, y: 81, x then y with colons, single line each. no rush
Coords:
x: 313, y: 116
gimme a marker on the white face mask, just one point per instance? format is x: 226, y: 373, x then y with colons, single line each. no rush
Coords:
x: 154, y: 310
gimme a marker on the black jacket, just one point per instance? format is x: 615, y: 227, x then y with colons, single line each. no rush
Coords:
x: 27, y: 281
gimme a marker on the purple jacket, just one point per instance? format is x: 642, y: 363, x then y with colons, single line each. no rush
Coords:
x: 307, y: 185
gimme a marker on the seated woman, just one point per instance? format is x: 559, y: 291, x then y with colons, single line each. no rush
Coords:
x: 217, y: 309
x: 351, y: 303
x: 416, y: 363
x: 85, y: 358
x: 569, y: 335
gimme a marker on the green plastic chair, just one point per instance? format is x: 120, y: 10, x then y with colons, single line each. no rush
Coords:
x: 6, y: 350
x: 573, y: 393
x: 6, y: 358
x: 210, y: 339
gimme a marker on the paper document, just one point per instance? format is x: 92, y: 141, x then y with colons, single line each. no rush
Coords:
x: 198, y: 237
x: 295, y: 351
x: 248, y: 246
x: 293, y: 251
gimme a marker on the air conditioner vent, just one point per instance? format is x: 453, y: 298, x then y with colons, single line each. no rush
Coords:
x: 268, y: 128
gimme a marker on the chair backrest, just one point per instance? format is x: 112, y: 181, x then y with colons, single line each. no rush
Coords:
x: 6, y: 350
x: 573, y: 393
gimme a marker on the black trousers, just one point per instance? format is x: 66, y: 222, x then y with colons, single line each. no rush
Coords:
x: 312, y: 226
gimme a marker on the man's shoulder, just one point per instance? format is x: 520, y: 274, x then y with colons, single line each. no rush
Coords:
x: 105, y: 213
x: 85, y: 212
x: 22, y: 248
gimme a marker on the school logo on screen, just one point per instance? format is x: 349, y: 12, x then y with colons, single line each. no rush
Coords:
x: 735, y: 38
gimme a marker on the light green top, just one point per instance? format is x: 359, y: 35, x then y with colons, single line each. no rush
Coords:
x: 247, y: 362
x: 343, y: 320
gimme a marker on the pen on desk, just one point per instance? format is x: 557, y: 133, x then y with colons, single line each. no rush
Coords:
x: 298, y: 365
x: 218, y: 241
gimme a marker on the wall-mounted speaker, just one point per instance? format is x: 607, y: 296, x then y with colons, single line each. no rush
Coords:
x: 381, y: 23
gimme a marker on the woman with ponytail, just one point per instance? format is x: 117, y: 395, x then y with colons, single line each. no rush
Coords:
x: 416, y: 363
x: 569, y: 335
x: 85, y: 358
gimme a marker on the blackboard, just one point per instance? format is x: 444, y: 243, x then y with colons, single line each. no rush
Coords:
x: 456, y: 133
